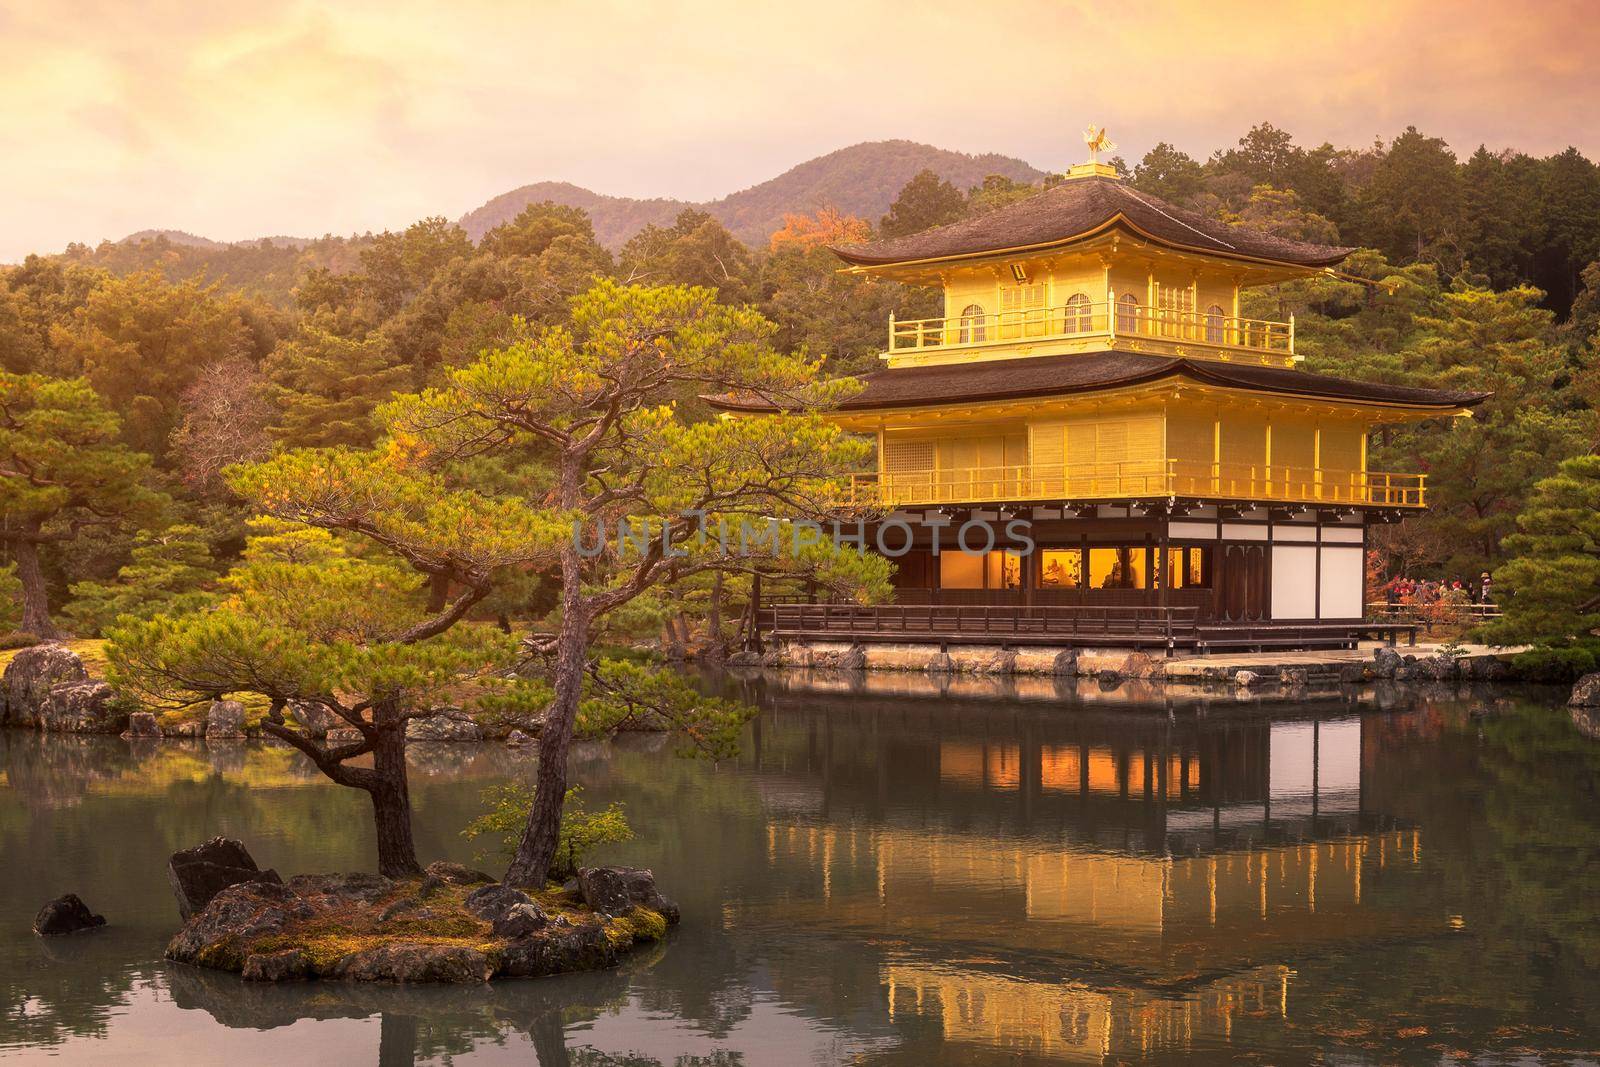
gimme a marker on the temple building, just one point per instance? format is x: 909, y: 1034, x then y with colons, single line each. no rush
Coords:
x: 1178, y: 474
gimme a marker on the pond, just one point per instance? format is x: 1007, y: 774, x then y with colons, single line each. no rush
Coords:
x: 894, y: 872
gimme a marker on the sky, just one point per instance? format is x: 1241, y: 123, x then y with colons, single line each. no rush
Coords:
x: 235, y: 119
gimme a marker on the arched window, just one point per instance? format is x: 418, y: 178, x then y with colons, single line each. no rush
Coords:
x: 972, y: 324
x: 1127, y: 313
x: 1080, y: 316
x: 1215, y: 333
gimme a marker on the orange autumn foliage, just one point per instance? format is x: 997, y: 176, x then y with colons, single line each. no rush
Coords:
x: 829, y: 226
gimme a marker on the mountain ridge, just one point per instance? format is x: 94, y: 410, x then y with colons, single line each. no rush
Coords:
x: 861, y: 179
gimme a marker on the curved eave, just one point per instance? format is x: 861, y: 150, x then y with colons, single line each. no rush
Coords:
x: 861, y: 264
x: 1197, y: 375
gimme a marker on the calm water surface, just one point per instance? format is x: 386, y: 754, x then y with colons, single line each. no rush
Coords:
x: 1002, y: 873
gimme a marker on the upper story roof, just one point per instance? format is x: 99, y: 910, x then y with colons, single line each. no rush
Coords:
x: 1049, y: 376
x: 1078, y: 208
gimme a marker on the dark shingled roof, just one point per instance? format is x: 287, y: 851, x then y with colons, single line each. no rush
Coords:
x: 1079, y: 206
x: 1045, y: 376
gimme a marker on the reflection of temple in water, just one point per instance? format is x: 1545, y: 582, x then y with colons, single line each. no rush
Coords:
x: 1179, y: 865
x: 1072, y: 1021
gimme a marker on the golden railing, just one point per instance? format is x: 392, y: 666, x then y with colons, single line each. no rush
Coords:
x: 1137, y: 478
x: 1092, y: 319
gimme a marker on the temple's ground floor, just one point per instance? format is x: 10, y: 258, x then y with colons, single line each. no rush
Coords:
x: 1229, y: 563
x: 1160, y: 574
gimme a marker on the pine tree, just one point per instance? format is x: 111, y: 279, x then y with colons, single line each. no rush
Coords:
x: 1549, y: 590
x: 169, y: 573
x: 62, y: 471
x: 925, y: 201
x: 325, y: 388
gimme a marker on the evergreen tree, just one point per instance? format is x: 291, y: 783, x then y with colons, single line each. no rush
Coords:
x: 925, y: 201
x: 1170, y: 174
x: 1481, y: 470
x: 306, y: 623
x: 1569, y: 219
x: 1413, y: 204
x: 62, y: 471
x: 169, y: 573
x: 1549, y: 589
x: 696, y: 250
x: 1498, y: 226
x: 324, y: 388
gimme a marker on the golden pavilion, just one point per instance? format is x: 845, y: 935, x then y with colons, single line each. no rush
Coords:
x: 1092, y: 375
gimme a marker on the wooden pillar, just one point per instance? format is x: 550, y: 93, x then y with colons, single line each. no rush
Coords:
x: 1269, y: 455
x: 1316, y: 461
x: 1216, y: 452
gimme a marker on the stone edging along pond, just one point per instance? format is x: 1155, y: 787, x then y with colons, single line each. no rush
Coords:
x: 49, y: 687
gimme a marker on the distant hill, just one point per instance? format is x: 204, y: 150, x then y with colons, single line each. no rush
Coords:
x: 616, y: 218
x: 190, y: 240
x: 860, y: 180
x: 177, y: 237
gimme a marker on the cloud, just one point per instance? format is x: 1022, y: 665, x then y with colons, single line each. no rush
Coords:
x: 239, y: 119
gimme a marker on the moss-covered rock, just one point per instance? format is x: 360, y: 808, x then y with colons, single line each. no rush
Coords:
x: 365, y: 928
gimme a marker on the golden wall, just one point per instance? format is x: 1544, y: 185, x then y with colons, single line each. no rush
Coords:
x: 1229, y: 447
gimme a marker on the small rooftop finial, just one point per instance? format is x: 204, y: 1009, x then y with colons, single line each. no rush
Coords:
x: 1098, y: 141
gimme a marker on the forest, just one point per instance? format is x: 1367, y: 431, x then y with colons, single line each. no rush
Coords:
x: 137, y: 374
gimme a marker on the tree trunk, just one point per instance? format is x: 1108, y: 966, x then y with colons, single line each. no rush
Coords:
x: 715, y: 623
x: 35, y: 597
x: 530, y: 866
x: 391, y: 797
x: 438, y: 593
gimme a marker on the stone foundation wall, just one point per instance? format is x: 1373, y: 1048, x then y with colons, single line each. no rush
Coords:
x: 1123, y: 663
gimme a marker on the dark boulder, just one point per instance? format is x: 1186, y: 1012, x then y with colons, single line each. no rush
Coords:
x: 520, y: 920
x: 745, y: 658
x: 1487, y: 669
x: 1385, y: 661
x: 82, y: 708
x: 142, y: 724
x: 65, y: 915
x: 491, y: 902
x: 1586, y: 694
x: 1436, y: 668
x: 30, y: 676
x: 225, y: 720
x: 1065, y: 665
x: 314, y: 719
x: 559, y: 948
x: 237, y: 915
x: 613, y: 890
x: 1355, y: 673
x: 517, y: 739
x: 198, y: 874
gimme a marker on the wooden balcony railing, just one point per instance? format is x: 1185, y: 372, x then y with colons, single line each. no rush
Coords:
x: 1093, y: 319
x: 1140, y: 478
